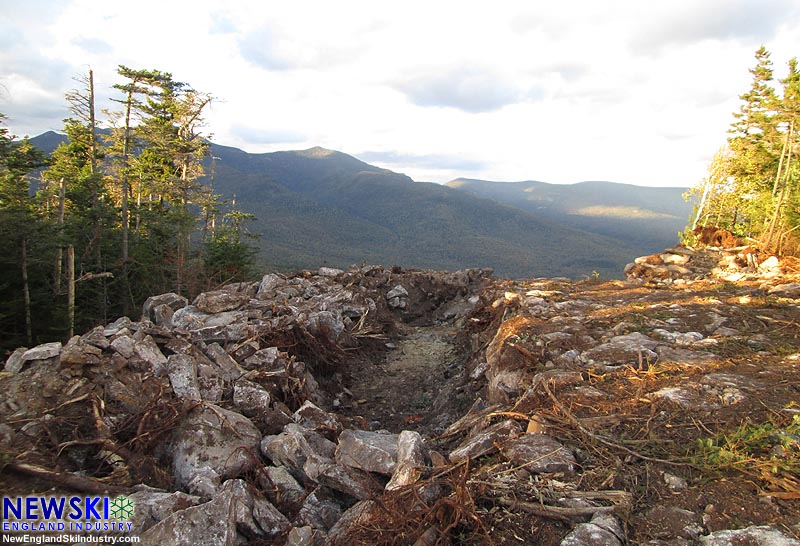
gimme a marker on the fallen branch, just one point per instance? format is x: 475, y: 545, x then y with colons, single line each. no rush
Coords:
x: 574, y: 420
x: 68, y: 480
x: 567, y: 514
x: 561, y: 513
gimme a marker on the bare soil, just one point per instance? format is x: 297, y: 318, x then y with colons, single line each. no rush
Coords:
x: 626, y: 439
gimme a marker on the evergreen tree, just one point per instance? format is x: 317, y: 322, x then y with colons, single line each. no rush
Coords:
x: 21, y: 280
x: 751, y: 187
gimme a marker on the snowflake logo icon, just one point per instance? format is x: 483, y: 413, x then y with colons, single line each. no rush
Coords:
x: 121, y: 508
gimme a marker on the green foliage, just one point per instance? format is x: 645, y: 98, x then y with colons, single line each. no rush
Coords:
x: 23, y: 278
x: 752, y: 184
x: 766, y: 450
x: 130, y: 207
x: 227, y: 256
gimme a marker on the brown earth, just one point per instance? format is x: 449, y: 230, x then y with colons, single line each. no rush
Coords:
x: 626, y: 438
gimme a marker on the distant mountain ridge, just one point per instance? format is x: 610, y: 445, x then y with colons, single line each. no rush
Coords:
x: 322, y: 207
x: 640, y: 217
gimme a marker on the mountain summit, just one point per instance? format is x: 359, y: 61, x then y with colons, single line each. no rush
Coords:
x: 321, y: 206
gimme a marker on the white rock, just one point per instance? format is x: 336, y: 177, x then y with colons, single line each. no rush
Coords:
x: 762, y: 536
x: 250, y: 398
x: 15, y: 363
x: 398, y: 291
x: 216, y: 440
x: 182, y: 371
x: 329, y: 272
x: 269, y: 283
x: 370, y: 451
x: 410, y: 460
x: 770, y: 263
x: 42, y: 352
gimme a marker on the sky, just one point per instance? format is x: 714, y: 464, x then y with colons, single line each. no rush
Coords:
x: 630, y: 91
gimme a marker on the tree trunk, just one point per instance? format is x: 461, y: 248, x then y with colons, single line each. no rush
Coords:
x: 124, y: 177
x: 71, y: 289
x: 785, y: 188
x: 60, y: 221
x: 26, y: 292
x: 92, y: 128
x: 702, y: 204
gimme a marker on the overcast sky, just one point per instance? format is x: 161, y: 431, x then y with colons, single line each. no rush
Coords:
x: 631, y: 91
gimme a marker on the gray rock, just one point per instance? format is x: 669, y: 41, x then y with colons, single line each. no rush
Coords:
x: 398, y: 291
x: 540, y: 454
x: 506, y: 385
x: 351, y: 481
x: 677, y: 259
x: 122, y: 323
x: 193, y: 319
x: 219, y: 301
x: 329, y: 272
x: 685, y: 396
x: 293, y: 446
x: 603, y: 530
x: 212, y: 387
x: 182, y: 371
x: 220, y: 521
x: 326, y: 324
x: 356, y: 517
x: 213, y: 523
x: 162, y: 316
x: 268, y: 285
x: 210, y: 445
x: 678, y: 338
x: 15, y: 363
x: 79, y: 353
x: 790, y: 290
x: 675, y: 483
x: 397, y: 297
x: 170, y: 299
x: 152, y: 506
x: 318, y: 512
x: 271, y: 522
x: 44, y: 351
x: 686, y: 356
x: 756, y: 535
x: 149, y: 352
x: 281, y: 488
x: 228, y: 367
x: 250, y: 398
x: 303, y: 536
x: 312, y: 417
x: 370, y: 451
x: 625, y: 349
x: 267, y: 359
x: 410, y: 460
x: 485, y: 441
x: 124, y: 345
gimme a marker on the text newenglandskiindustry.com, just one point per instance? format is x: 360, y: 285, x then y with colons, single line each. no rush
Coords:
x: 68, y: 539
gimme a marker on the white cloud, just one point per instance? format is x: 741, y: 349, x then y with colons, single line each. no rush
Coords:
x: 622, y: 90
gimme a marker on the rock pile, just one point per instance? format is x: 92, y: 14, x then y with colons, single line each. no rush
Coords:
x: 681, y: 265
x: 222, y: 419
x: 218, y: 401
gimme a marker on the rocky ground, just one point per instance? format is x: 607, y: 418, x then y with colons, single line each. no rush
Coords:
x: 386, y: 406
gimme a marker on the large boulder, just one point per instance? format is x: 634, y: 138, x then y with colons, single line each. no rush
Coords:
x: 370, y: 451
x: 232, y: 517
x: 211, y: 445
x: 160, y: 309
